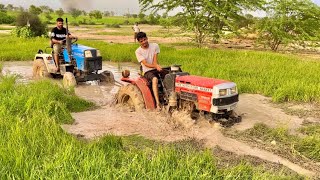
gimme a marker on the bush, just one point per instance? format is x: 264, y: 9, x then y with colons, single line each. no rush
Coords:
x: 6, y: 19
x: 74, y: 24
x: 23, y: 32
x: 36, y: 26
x: 91, y: 23
x: 143, y: 21
x: 113, y: 26
x: 126, y: 22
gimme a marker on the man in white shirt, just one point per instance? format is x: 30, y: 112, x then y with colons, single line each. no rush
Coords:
x: 136, y: 30
x: 147, y: 55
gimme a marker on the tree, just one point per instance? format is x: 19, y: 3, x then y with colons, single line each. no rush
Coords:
x: 75, y: 12
x: 60, y: 12
x: 205, y: 17
x: 10, y: 7
x: 2, y: 8
x: 106, y: 13
x: 48, y: 17
x: 96, y: 14
x: 288, y: 21
x: 28, y: 19
x: 141, y: 15
x: 84, y: 13
x: 35, y: 10
x: 166, y: 21
x: 46, y: 9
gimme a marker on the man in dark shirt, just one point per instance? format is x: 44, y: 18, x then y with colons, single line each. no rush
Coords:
x: 58, y: 38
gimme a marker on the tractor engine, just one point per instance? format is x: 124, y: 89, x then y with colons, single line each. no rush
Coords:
x: 85, y: 59
x: 214, y: 96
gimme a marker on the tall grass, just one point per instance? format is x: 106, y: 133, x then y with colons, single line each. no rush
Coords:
x: 20, y: 49
x: 308, y: 145
x: 282, y: 77
x: 33, y: 145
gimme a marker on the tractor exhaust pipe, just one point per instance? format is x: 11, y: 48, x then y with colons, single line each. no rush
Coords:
x: 68, y: 40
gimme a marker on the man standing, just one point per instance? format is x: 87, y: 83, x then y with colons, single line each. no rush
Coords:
x: 147, y: 55
x: 58, y: 38
x: 136, y: 30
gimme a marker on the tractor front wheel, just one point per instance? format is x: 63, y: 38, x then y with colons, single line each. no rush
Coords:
x: 69, y: 80
x: 131, y: 96
x: 39, y: 69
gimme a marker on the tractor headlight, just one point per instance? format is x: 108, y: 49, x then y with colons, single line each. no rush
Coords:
x: 98, y: 53
x: 222, y: 92
x: 87, y: 54
x: 233, y: 90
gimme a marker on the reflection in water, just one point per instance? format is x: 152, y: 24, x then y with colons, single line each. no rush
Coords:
x: 99, y: 94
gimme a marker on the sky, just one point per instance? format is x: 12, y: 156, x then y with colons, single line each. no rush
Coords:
x: 120, y: 7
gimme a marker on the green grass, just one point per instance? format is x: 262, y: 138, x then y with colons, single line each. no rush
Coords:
x: 20, y: 49
x: 6, y: 28
x: 152, y: 31
x: 282, y: 77
x: 33, y: 145
x: 296, y: 146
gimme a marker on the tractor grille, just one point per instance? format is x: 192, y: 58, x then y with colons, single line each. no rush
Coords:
x: 93, y: 64
x: 225, y: 101
x: 188, y: 96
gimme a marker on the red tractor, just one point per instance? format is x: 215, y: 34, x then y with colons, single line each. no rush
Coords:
x: 213, y: 98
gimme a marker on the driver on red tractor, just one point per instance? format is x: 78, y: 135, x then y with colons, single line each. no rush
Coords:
x: 58, y: 39
x: 147, y: 55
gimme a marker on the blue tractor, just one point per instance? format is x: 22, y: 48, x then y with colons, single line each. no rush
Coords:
x: 78, y: 63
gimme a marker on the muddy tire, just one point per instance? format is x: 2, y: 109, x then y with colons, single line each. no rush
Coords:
x: 107, y: 77
x: 69, y: 80
x: 39, y: 69
x: 131, y: 96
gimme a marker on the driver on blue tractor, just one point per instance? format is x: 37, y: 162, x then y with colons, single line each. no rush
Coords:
x: 58, y: 39
x: 147, y: 55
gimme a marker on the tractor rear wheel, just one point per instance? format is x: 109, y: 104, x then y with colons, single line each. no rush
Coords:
x: 39, y: 69
x: 130, y: 95
x: 108, y: 77
x: 69, y: 80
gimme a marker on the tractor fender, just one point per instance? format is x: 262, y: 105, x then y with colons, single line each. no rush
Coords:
x: 142, y: 84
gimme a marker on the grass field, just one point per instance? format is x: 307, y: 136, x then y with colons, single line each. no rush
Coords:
x: 282, y: 77
x: 302, y: 146
x: 33, y: 145
x: 157, y: 31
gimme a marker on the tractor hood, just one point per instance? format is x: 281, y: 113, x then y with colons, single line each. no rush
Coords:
x: 86, y: 58
x: 200, y: 81
x: 78, y: 48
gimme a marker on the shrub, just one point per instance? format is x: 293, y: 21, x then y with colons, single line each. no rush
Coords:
x: 6, y: 19
x: 74, y: 24
x: 36, y: 26
x: 113, y: 25
x: 23, y: 32
x: 126, y: 22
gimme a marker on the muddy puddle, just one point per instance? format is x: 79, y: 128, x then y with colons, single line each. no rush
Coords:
x: 117, y: 120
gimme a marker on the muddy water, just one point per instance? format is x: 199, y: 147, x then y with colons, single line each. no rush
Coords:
x: 154, y: 125
x: 101, y: 95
